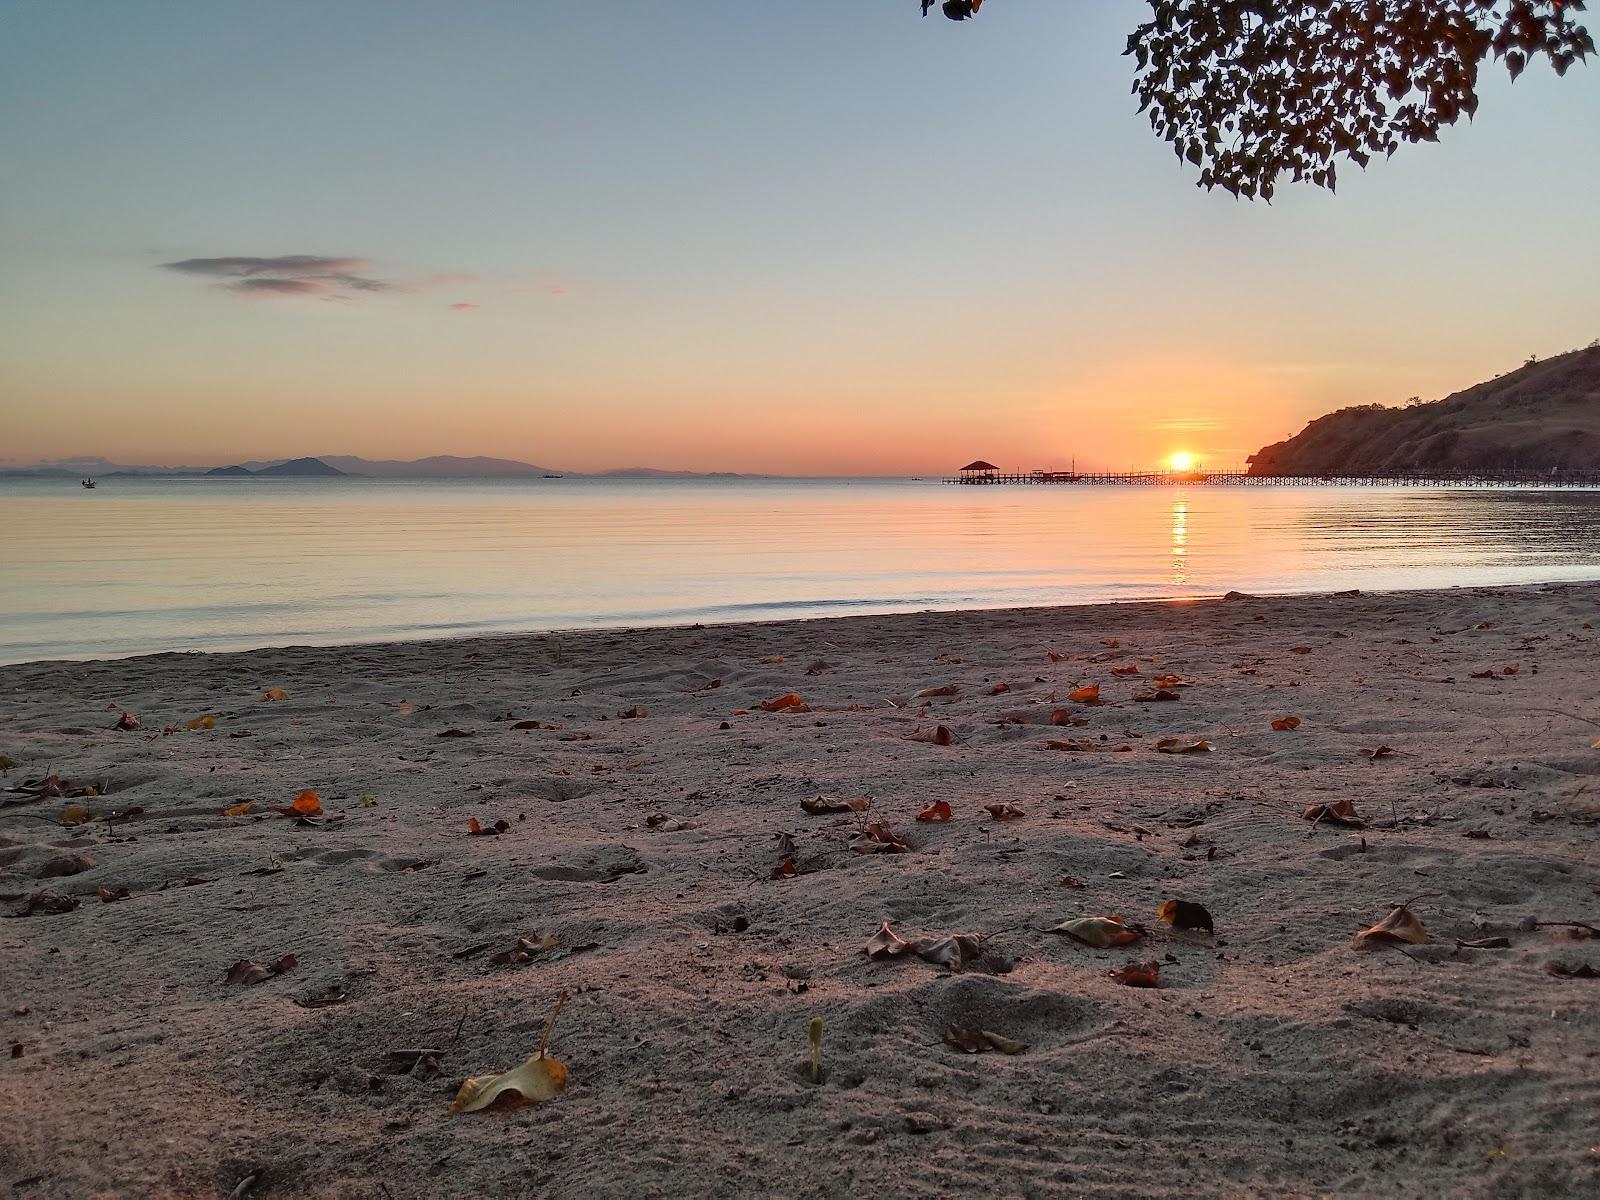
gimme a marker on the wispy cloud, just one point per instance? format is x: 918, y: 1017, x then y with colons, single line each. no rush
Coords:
x: 285, y: 274
x: 465, y: 306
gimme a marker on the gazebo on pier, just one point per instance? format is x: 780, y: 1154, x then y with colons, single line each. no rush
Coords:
x: 979, y: 472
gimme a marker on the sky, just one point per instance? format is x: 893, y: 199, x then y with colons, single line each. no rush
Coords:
x: 789, y: 236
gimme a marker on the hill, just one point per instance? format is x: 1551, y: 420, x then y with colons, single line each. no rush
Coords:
x: 1543, y: 416
x: 294, y: 466
x: 438, y: 466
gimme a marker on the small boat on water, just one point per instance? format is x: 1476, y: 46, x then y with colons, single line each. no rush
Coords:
x: 86, y: 482
x: 554, y: 477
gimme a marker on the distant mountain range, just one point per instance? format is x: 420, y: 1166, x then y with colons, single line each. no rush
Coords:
x: 1543, y: 416
x: 438, y: 466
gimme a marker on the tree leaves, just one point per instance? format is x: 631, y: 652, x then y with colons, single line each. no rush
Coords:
x: 1099, y: 932
x: 247, y: 971
x: 539, y: 1079
x: 1401, y: 925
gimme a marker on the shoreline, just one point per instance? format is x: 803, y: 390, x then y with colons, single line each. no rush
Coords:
x: 1272, y: 1059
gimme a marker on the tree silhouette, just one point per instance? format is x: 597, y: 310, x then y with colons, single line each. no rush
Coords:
x: 1251, y: 90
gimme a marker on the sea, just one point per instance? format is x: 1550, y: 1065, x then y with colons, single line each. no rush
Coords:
x: 140, y: 565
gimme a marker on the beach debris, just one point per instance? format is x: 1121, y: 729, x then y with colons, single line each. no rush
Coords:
x: 1182, y: 745
x: 634, y: 713
x: 539, y: 1079
x: 820, y: 667
x: 1156, y: 695
x: 476, y: 829
x: 1485, y: 943
x: 248, y: 971
x: 75, y: 814
x: 953, y: 951
x: 1338, y: 812
x: 536, y: 725
x: 127, y: 721
x: 1185, y: 914
x: 1400, y: 926
x: 886, y: 943
x: 1072, y: 882
x: 1378, y: 752
x: 1299, y: 649
x: 824, y: 805
x: 789, y: 702
x: 1088, y: 693
x: 306, y: 804
x: 1055, y: 656
x: 1130, y: 669
x: 1145, y: 974
x: 1004, y: 812
x: 62, y: 865
x: 51, y: 787
x: 1099, y: 932
x: 1566, y: 971
x: 670, y: 824
x: 784, y: 870
x: 771, y: 660
x: 273, y: 694
x: 1000, y: 688
x: 368, y: 800
x: 455, y: 733
x: 939, y: 735
x: 814, y: 1035
x: 110, y: 895
x: 207, y: 721
x: 1063, y: 716
x: 877, y: 838
x: 45, y: 902
x: 939, y: 810
x: 239, y: 810
x: 709, y: 685
x: 525, y: 949
x: 976, y: 1041
x: 1285, y: 724
x: 949, y: 689
x: 7, y: 762
x: 1072, y: 745
x: 1171, y: 681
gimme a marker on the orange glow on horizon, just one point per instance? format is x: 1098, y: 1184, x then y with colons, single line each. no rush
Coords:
x: 1181, y: 460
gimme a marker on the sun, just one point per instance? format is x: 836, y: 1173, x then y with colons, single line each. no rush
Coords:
x: 1181, y: 460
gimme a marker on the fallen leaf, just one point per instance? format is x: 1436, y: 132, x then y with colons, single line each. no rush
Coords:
x: 239, y: 810
x: 939, y: 810
x: 877, y: 838
x: 949, y: 689
x: 788, y: 702
x: 246, y: 971
x: 1175, y: 745
x: 822, y: 805
x: 1511, y: 669
x: 369, y: 801
x: 1156, y: 695
x: 454, y: 733
x: 1138, y: 974
x: 110, y: 895
x: 1099, y: 932
x: 886, y: 943
x: 1284, y: 724
x: 1054, y: 657
x: 952, y: 952
x: 205, y: 722
x: 537, y: 725
x: 1070, y: 881
x: 1379, y: 752
x: 1130, y: 669
x: 1401, y: 925
x: 274, y: 693
x: 525, y: 949
x: 306, y: 804
x: 1072, y: 745
x: 1169, y: 681
x: 1565, y: 971
x: 1299, y: 649
x: 74, y: 814
x: 539, y: 1079
x: 784, y: 870
x: 62, y: 865
x: 127, y: 721
x: 668, y: 824
x: 1089, y: 693
x: 477, y: 830
x: 939, y: 735
x: 1113, y: 643
x: 634, y: 713
x: 1184, y: 914
x: 1004, y: 811
x: 1340, y: 812
x: 772, y: 660
x: 999, y: 688
x: 1063, y: 716
x: 46, y: 902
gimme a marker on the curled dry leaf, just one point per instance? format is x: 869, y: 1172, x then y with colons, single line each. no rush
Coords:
x: 1170, y: 681
x: 784, y: 870
x: 539, y: 1079
x: 886, y: 943
x: 668, y: 824
x: 1380, y: 752
x: 877, y: 838
x: 1183, y: 745
x: 1054, y: 657
x: 525, y: 949
x: 1299, y: 649
x: 1566, y: 971
x: 1063, y: 716
x: 952, y: 952
x: 536, y: 725
x: 1089, y: 693
x: 274, y: 693
x: 1130, y: 669
x: 1072, y: 745
x: 1184, y: 914
x: 247, y: 971
x: 45, y: 902
x: 1284, y: 724
x: 75, y: 814
x: 478, y: 830
x: 1000, y: 688
x: 1340, y: 812
x: 939, y: 735
x: 62, y: 865
x: 1401, y: 925
x: 823, y: 805
x: 788, y: 702
x: 454, y: 733
x: 1099, y: 932
x: 939, y: 810
x: 1004, y: 812
x: 1156, y: 695
x: 239, y: 810
x: 127, y: 721
x: 976, y: 1041
x: 949, y: 689
x: 110, y: 895
x: 1138, y: 974
x: 634, y: 713
x: 306, y: 804
x: 205, y: 722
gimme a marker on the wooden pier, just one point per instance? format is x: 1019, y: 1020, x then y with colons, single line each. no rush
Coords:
x: 1425, y: 479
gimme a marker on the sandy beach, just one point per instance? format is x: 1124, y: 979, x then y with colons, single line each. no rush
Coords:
x: 648, y: 799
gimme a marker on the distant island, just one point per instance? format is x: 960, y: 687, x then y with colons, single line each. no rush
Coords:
x: 328, y: 466
x: 1543, y: 416
x: 294, y: 466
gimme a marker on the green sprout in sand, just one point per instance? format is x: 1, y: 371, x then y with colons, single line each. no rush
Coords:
x: 816, y: 1049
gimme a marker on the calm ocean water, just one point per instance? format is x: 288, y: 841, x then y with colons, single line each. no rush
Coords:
x: 139, y: 565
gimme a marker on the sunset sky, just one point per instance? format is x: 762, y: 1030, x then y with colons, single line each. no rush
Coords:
x: 795, y: 236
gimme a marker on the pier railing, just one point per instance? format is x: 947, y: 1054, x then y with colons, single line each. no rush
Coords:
x: 1435, y: 479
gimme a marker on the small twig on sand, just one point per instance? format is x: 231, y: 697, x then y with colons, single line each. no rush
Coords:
x: 459, y: 1026
x: 1567, y: 925
x: 551, y: 1023
x: 244, y: 1185
x: 1561, y: 712
x: 1318, y: 821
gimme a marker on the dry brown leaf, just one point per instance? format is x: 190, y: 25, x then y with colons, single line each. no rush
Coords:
x: 1138, y: 974
x: 525, y: 949
x: 539, y: 1079
x: 1284, y: 724
x: 772, y: 660
x: 1072, y: 745
x: 1089, y: 693
x: 455, y: 733
x: 1000, y: 688
x: 274, y: 693
x: 1183, y: 745
x: 939, y: 735
x: 1340, y: 812
x: 878, y: 838
x: 1566, y: 971
x: 1169, y: 681
x: 1130, y: 669
x: 1055, y: 657
x: 886, y: 943
x: 247, y: 971
x: 784, y: 870
x: 239, y: 810
x: 1156, y: 695
x: 949, y: 689
x: 1378, y: 752
x: 61, y: 865
x: 127, y: 721
x: 822, y: 805
x: 952, y: 952
x: 1401, y: 925
x: 477, y: 830
x: 788, y: 702
x: 536, y: 725
x: 1004, y: 812
x: 939, y: 810
x: 670, y: 824
x: 1099, y: 932
x: 74, y: 814
x: 1299, y: 649
x: 110, y: 895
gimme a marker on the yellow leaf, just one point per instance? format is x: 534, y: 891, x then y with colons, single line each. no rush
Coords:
x: 369, y: 801
x: 1100, y: 932
x: 537, y: 1080
x: 239, y: 810
x: 1284, y: 724
x: 1401, y: 925
x: 205, y: 722
x: 307, y: 804
x: 275, y: 693
x: 74, y: 814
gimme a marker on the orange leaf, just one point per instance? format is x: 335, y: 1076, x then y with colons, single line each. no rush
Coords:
x: 1284, y: 724
x: 1340, y: 812
x: 949, y: 689
x: 1138, y: 974
x: 239, y: 810
x: 1004, y: 812
x: 1000, y: 687
x: 773, y: 660
x: 275, y: 693
x: 307, y: 804
x: 1401, y: 925
x: 939, y: 810
x: 784, y: 869
x: 1130, y: 669
x: 788, y: 702
x: 1089, y: 693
